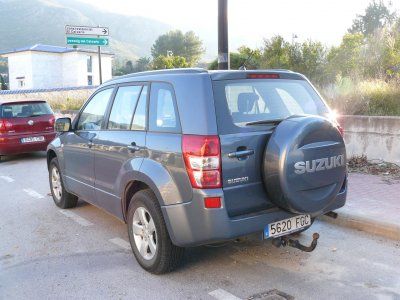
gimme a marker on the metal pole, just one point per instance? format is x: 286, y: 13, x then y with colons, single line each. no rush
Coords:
x: 99, y: 55
x: 223, y: 52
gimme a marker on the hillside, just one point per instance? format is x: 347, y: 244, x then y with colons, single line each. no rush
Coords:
x: 24, y: 23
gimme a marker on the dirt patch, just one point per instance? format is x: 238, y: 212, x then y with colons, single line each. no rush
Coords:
x: 360, y: 164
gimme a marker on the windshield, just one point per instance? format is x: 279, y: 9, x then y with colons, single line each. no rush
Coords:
x: 240, y: 102
x: 25, y: 110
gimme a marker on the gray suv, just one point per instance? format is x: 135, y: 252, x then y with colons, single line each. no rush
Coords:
x: 188, y: 157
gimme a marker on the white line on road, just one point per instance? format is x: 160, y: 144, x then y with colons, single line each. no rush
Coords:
x: 221, y: 294
x: 120, y: 242
x: 6, y: 178
x: 33, y: 193
x: 76, y: 218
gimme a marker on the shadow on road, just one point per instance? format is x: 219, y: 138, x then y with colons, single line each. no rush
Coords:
x: 14, y: 159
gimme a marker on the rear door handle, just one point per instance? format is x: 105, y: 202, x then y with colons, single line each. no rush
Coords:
x: 241, y: 154
x: 133, y: 147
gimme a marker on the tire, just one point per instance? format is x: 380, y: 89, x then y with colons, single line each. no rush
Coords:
x: 157, y: 254
x: 61, y: 197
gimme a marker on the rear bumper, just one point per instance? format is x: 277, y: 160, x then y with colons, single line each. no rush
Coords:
x: 11, y: 144
x: 190, y: 224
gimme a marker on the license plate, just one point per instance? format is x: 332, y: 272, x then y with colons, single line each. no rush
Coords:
x: 287, y: 226
x: 32, y: 139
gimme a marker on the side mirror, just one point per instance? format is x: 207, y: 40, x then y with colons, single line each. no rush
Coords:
x: 63, y: 125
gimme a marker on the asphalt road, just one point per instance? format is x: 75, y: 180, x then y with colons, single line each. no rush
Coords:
x: 83, y: 253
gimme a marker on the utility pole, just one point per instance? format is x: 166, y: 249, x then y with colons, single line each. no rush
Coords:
x: 223, y: 50
x: 99, y: 55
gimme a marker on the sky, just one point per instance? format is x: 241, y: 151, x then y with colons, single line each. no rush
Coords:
x: 250, y: 21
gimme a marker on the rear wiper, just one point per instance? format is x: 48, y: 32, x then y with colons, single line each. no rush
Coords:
x: 265, y: 122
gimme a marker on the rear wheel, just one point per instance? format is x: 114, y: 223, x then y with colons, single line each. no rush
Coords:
x: 149, y: 236
x: 61, y: 197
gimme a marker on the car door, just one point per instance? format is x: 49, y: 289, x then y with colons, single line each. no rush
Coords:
x: 77, y: 146
x: 120, y: 146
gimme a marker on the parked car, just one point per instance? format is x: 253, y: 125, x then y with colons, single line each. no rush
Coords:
x: 25, y: 126
x: 192, y: 157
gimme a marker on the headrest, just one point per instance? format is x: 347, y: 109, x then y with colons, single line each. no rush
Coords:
x: 246, y: 102
x: 7, y: 114
x: 26, y: 110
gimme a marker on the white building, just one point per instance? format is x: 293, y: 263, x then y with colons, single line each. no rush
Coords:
x: 44, y: 66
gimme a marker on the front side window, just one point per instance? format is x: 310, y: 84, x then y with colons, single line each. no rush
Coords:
x: 92, y: 115
x: 163, y: 111
x: 123, y: 107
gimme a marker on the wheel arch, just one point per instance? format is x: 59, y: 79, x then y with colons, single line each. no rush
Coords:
x: 50, y: 155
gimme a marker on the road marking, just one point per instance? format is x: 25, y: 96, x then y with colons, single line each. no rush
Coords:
x: 6, y: 178
x: 121, y: 242
x: 76, y: 218
x: 33, y: 193
x: 221, y: 294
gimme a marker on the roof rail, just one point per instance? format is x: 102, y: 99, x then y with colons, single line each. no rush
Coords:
x: 166, y: 72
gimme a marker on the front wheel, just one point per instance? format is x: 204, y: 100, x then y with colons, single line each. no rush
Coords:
x: 149, y: 236
x: 61, y: 197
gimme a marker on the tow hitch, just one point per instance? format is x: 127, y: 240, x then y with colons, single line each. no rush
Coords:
x: 286, y: 241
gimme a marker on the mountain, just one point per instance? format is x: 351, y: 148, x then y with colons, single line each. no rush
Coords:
x: 29, y: 22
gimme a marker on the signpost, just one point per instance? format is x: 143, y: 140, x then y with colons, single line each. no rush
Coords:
x: 86, y: 30
x: 98, y: 41
x: 87, y: 41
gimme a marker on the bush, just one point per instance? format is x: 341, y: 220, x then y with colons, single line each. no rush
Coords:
x: 366, y: 97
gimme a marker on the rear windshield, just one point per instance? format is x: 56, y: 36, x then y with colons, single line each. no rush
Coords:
x: 25, y: 110
x: 240, y: 102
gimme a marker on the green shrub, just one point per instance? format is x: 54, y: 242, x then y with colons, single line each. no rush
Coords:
x: 367, y: 97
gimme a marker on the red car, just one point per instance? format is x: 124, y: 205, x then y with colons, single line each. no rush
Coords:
x: 25, y: 126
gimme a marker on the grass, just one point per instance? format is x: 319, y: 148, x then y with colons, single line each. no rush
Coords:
x: 67, y: 104
x: 367, y: 97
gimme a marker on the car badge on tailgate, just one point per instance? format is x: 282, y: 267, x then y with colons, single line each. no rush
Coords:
x: 321, y: 164
x: 30, y: 122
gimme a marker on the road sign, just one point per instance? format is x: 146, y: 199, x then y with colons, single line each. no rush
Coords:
x: 86, y: 30
x: 87, y: 41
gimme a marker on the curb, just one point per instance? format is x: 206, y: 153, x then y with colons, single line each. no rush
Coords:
x: 353, y: 221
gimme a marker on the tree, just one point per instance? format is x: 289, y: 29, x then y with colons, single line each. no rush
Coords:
x: 377, y: 15
x: 346, y: 59
x: 245, y: 57
x: 142, y: 64
x: 186, y: 45
x: 276, y: 53
x: 3, y: 85
x: 169, y: 62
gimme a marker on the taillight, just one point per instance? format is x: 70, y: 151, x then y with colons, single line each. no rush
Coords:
x: 5, y: 126
x: 341, y: 129
x: 333, y: 116
x: 52, y: 120
x: 202, y: 155
x: 263, y: 76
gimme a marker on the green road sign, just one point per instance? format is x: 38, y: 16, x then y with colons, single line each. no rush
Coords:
x: 87, y: 41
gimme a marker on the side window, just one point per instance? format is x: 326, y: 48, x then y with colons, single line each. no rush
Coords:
x: 139, y: 119
x: 93, y: 114
x: 163, y: 111
x: 123, y: 107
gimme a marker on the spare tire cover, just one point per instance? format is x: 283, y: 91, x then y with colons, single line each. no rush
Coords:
x: 304, y: 164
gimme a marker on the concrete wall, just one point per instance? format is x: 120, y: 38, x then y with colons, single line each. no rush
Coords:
x: 20, y: 65
x: 46, y: 69
x: 376, y: 137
